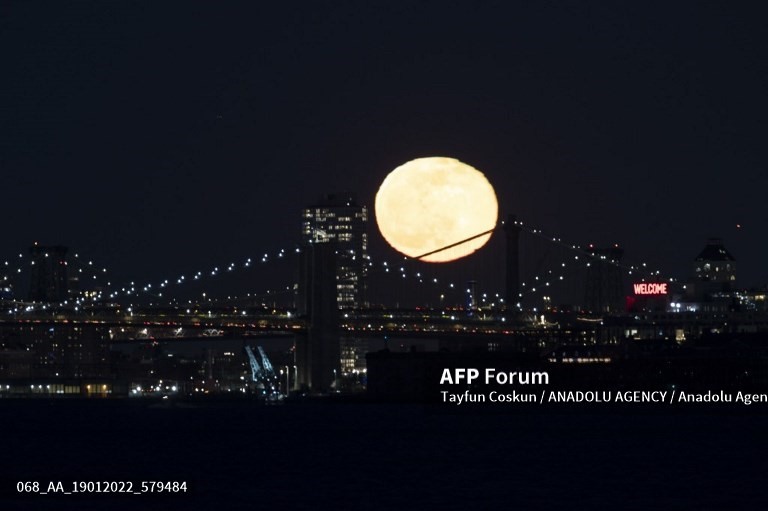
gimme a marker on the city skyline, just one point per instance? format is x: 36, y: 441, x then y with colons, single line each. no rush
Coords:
x: 178, y: 149
x: 188, y: 137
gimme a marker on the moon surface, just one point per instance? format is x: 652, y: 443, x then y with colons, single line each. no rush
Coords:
x: 428, y: 204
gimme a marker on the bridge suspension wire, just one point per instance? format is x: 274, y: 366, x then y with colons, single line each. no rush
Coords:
x: 574, y: 264
x: 446, y: 291
x: 398, y: 273
x: 91, y: 273
x: 93, y: 284
x: 458, y: 243
x: 429, y: 280
x: 161, y: 287
x: 641, y: 268
x: 10, y: 271
x: 543, y: 281
x: 10, y: 275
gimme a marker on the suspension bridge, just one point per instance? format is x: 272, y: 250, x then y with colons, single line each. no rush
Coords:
x: 551, y: 272
x: 526, y: 291
x: 533, y: 291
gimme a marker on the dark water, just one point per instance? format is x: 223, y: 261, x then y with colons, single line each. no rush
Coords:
x: 369, y: 456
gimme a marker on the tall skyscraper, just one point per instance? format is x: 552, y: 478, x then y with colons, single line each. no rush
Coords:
x: 339, y: 219
x: 48, y: 274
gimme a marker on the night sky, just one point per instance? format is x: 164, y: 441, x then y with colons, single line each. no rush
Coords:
x: 162, y: 137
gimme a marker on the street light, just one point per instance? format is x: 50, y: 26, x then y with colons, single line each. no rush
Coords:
x: 287, y: 380
x: 295, y: 377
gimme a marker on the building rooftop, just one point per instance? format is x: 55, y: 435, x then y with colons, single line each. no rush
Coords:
x: 715, y: 251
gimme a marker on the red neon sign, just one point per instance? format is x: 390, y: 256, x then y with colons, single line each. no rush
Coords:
x: 651, y: 288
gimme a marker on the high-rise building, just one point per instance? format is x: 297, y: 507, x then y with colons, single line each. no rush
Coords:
x: 714, y: 269
x: 48, y: 274
x: 715, y: 264
x: 338, y: 218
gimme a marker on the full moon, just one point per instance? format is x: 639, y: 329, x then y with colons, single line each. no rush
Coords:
x: 427, y: 207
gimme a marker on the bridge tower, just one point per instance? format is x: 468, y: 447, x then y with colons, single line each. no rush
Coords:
x: 604, y: 284
x: 512, y: 229
x: 317, y: 350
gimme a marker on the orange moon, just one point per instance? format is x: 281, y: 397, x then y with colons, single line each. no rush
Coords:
x: 431, y: 203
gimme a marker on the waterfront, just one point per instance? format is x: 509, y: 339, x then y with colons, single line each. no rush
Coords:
x: 376, y: 456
